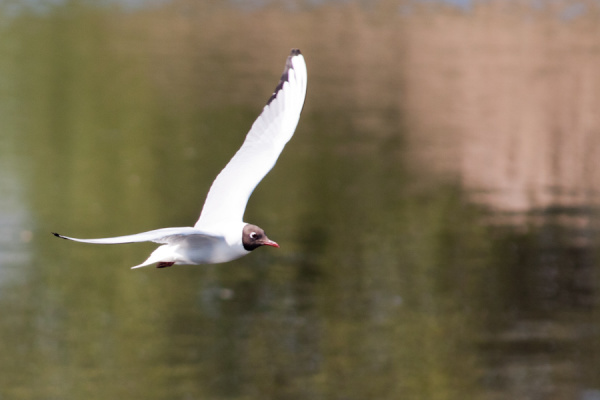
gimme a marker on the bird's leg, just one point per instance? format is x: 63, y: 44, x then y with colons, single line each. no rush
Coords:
x: 164, y: 264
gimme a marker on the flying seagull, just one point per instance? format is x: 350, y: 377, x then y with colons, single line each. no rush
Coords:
x: 220, y: 235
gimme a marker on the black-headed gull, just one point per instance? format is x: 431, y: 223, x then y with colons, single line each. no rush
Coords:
x: 220, y: 235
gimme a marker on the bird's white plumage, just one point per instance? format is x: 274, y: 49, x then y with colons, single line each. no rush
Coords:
x: 220, y: 233
x: 163, y: 236
x: 229, y: 193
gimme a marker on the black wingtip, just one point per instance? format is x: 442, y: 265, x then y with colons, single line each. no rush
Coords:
x: 284, y: 75
x: 57, y: 235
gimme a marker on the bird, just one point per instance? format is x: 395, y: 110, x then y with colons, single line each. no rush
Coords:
x: 220, y: 235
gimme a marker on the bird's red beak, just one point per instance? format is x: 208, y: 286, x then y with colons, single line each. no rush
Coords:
x: 271, y: 243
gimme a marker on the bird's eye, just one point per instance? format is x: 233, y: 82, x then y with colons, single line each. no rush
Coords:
x: 253, y: 235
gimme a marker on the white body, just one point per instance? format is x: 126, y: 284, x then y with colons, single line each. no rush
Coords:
x: 192, y: 246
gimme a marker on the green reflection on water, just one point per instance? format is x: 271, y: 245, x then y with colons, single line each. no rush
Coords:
x: 385, y: 286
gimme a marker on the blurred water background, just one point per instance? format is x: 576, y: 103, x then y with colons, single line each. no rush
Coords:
x: 437, y: 209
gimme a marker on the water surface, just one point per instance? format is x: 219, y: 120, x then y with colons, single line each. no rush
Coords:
x: 436, y: 209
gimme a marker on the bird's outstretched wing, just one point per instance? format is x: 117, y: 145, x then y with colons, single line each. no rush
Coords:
x: 226, y: 201
x: 163, y: 236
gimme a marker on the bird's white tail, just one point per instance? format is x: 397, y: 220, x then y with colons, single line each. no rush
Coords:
x: 162, y: 253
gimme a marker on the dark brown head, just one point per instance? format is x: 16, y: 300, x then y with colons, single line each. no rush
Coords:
x: 253, y: 237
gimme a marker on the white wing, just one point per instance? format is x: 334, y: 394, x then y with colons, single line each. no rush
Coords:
x: 164, y: 236
x: 229, y: 193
